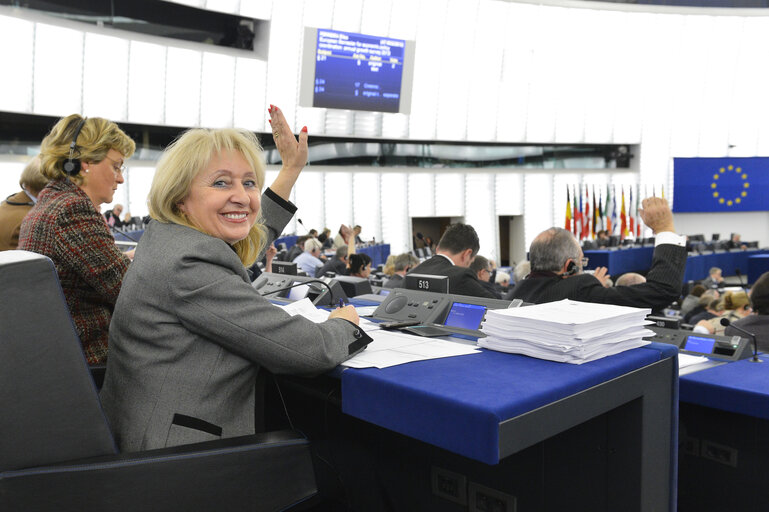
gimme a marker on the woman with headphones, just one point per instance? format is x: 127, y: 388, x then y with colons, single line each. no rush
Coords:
x: 83, y: 158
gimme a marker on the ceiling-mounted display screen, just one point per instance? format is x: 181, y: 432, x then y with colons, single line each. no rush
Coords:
x: 345, y: 70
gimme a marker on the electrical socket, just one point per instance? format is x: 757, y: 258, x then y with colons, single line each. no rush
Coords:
x: 449, y: 485
x: 484, y: 499
x: 690, y: 446
x: 719, y: 453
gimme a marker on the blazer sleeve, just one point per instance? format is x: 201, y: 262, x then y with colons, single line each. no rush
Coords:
x: 215, y: 303
x: 276, y: 212
x: 86, y: 246
x: 662, y: 286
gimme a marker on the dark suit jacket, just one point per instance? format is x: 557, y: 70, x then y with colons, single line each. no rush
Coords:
x: 462, y: 280
x: 334, y: 265
x: 662, y: 286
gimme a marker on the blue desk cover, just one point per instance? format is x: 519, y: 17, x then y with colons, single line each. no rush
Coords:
x: 378, y: 253
x: 740, y: 386
x: 639, y: 259
x: 457, y: 403
x: 620, y: 261
x: 289, y: 240
x: 757, y: 265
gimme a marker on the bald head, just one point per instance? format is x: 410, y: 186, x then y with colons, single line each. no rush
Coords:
x: 629, y: 279
x: 552, y: 249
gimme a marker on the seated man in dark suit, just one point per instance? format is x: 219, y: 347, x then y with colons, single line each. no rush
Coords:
x: 401, y: 265
x: 456, y: 249
x: 557, y: 261
x: 482, y: 268
x: 337, y: 264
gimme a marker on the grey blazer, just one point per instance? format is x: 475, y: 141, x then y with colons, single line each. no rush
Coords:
x: 189, y: 334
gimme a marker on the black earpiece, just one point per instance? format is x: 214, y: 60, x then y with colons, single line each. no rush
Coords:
x: 571, y: 269
x: 72, y: 165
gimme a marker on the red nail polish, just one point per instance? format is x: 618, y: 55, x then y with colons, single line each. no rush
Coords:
x: 269, y: 121
x: 304, y: 129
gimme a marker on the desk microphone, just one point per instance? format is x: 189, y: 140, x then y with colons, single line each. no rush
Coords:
x: 739, y: 276
x: 308, y: 283
x: 125, y: 234
x: 725, y: 322
x: 301, y: 223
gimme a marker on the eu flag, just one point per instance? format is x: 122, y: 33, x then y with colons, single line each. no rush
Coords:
x: 720, y: 184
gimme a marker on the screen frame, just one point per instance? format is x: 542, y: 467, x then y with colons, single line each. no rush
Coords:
x: 307, y: 75
x: 463, y: 304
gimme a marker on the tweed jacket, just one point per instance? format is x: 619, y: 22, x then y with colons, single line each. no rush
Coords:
x: 190, y: 333
x: 462, y: 280
x: 66, y: 226
x: 662, y: 286
x: 12, y: 212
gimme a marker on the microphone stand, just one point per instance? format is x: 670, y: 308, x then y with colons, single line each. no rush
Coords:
x: 308, y: 283
x: 725, y: 322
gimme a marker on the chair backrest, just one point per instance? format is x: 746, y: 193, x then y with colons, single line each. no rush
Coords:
x: 50, y: 410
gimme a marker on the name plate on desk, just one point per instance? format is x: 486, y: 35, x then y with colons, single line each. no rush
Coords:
x: 284, y: 267
x: 427, y: 283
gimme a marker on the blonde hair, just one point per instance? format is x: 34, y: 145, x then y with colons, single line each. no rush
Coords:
x: 735, y: 300
x: 96, y: 138
x: 31, y: 179
x: 184, y: 159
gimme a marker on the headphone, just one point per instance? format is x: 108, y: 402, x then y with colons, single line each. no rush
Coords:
x: 571, y: 269
x: 72, y: 165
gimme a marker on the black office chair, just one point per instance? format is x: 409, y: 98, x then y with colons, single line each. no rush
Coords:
x: 56, y: 448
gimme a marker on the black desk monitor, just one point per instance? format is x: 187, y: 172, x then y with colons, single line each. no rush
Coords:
x: 354, y: 286
x: 714, y: 346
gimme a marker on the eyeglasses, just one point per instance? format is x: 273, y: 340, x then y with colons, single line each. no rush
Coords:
x: 118, y: 167
x: 584, y: 261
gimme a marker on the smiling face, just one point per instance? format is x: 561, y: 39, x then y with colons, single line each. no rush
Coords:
x: 224, y: 199
x: 101, y: 179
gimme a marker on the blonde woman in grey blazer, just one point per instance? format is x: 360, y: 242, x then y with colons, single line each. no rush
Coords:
x: 189, y: 332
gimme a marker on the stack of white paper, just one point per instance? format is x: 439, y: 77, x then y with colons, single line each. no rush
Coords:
x: 566, y: 331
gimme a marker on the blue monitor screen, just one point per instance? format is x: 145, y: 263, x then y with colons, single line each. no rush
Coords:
x: 357, y: 71
x: 698, y: 344
x: 467, y: 316
x: 384, y: 291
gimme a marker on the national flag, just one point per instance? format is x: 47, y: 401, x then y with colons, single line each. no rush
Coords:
x: 601, y: 221
x: 586, y: 219
x: 623, y: 218
x: 594, y: 224
x: 577, y: 214
x: 607, y: 210
x: 638, y: 221
x: 631, y: 214
x: 614, y: 224
x: 567, y: 224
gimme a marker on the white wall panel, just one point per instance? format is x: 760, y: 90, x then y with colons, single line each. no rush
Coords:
x: 480, y: 211
x: 366, y: 205
x: 396, y: 223
x: 537, y: 213
x: 226, y: 6
x: 105, y: 77
x: 58, y: 70
x: 509, y: 193
x: 347, y: 15
x: 217, y: 93
x: 338, y: 200
x: 250, y: 108
x: 286, y: 33
x: 449, y: 194
x: 453, y: 80
x: 10, y: 172
x: 309, y: 199
x: 183, y: 87
x: 486, y: 67
x: 16, y: 93
x: 421, y: 193
x: 146, y: 83
x: 137, y: 188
